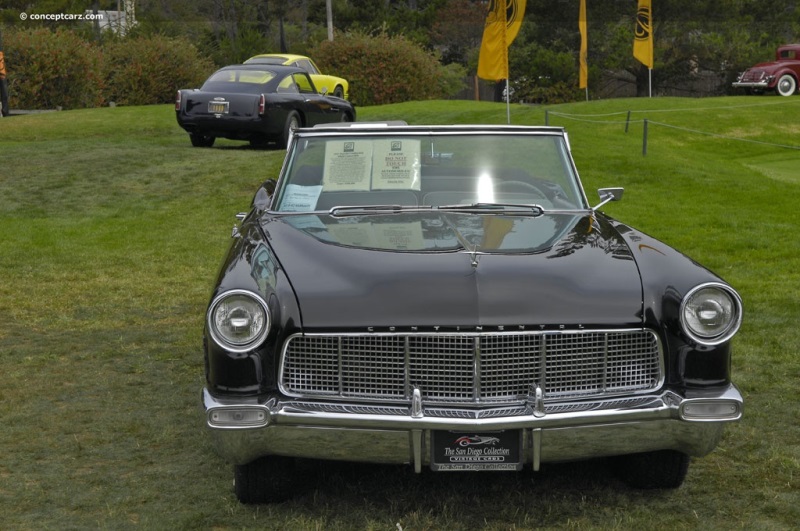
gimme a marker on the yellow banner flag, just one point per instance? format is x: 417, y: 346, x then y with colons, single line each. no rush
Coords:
x: 502, y: 26
x: 643, y: 35
x: 584, y: 67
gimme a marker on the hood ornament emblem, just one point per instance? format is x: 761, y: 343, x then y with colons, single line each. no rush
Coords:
x: 473, y: 256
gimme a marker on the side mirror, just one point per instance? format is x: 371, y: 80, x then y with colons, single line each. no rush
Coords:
x: 264, y: 194
x: 607, y: 195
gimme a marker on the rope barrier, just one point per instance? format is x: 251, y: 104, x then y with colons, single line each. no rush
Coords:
x: 782, y: 101
x: 645, y: 122
x: 785, y: 146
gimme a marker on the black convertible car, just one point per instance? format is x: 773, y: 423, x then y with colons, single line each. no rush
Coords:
x: 446, y: 297
x: 259, y: 103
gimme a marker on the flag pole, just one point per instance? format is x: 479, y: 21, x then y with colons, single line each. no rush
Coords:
x: 508, y: 103
x: 508, y: 70
x: 643, y: 40
x: 503, y: 22
x: 583, y: 67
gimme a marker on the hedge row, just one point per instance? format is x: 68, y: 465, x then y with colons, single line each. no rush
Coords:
x: 383, y: 69
x: 59, y: 69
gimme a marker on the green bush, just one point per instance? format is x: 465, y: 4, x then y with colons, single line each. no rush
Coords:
x: 451, y: 79
x: 148, y: 70
x: 526, y: 90
x: 60, y: 69
x: 383, y: 69
x: 50, y: 69
x: 554, y: 76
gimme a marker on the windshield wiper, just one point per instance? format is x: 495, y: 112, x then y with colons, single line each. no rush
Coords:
x: 356, y: 210
x: 516, y: 209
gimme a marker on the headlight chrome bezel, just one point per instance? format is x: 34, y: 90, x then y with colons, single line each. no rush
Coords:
x: 710, y: 293
x: 257, y: 310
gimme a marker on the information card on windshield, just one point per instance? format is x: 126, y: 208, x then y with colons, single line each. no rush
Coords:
x: 363, y: 165
x: 348, y: 166
x: 396, y: 165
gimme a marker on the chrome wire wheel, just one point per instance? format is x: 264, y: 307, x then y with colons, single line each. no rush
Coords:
x: 786, y: 85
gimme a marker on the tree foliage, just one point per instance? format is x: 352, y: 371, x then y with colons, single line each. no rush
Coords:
x: 457, y: 30
x: 693, y: 38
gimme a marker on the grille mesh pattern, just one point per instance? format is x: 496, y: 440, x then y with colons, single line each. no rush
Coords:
x: 753, y: 76
x: 465, y: 368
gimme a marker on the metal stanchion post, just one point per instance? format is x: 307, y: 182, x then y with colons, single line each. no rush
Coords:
x: 644, y: 139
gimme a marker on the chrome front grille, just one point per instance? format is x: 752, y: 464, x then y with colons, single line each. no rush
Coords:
x: 753, y: 76
x: 471, y: 367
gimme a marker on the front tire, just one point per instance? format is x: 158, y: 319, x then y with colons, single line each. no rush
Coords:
x: 266, y: 480
x: 787, y: 85
x: 663, y: 469
x: 338, y: 91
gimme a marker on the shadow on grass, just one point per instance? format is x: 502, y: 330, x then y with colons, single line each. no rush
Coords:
x: 554, y: 494
x: 234, y: 146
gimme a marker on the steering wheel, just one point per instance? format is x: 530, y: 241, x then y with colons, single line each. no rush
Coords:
x: 521, y: 187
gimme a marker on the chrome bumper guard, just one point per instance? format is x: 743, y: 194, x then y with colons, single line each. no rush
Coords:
x: 243, y: 430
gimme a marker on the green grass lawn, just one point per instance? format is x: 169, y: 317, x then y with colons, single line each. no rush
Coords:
x: 111, y: 230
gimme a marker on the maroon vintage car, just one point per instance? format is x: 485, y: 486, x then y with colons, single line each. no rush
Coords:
x: 780, y: 75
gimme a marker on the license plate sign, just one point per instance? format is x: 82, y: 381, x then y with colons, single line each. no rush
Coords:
x: 458, y: 451
x: 218, y: 107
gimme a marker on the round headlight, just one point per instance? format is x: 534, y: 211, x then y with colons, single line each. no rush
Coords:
x: 238, y: 320
x: 711, y: 313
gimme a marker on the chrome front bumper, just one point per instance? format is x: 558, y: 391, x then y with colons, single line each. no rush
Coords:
x: 752, y: 84
x: 243, y: 430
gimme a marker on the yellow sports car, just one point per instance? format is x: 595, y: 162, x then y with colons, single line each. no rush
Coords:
x: 332, y: 85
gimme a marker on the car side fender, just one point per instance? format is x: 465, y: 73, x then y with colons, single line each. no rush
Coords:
x: 667, y: 277
x: 251, y: 265
x: 794, y: 72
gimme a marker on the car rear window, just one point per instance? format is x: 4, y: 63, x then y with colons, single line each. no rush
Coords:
x: 244, y: 80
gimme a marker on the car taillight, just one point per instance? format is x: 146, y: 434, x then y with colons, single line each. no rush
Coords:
x: 178, y: 101
x: 262, y: 104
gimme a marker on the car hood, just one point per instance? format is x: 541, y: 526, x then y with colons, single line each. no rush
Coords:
x: 773, y: 65
x: 457, y: 270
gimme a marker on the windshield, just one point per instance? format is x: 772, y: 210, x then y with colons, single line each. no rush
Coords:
x: 432, y: 171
